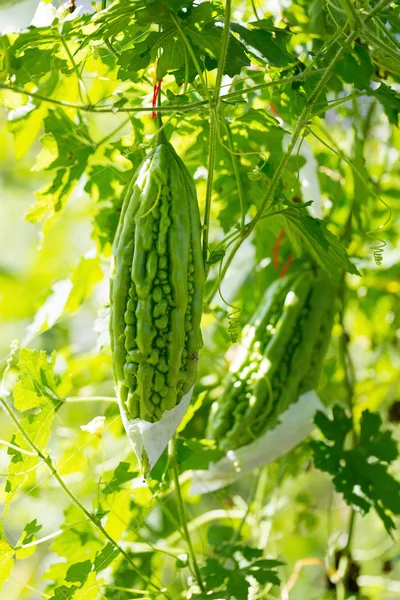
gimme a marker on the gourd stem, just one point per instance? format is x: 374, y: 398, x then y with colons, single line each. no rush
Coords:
x: 161, y: 137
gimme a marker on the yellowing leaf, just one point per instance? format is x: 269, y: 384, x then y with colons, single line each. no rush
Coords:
x: 48, y: 153
x: 85, y: 276
x: 90, y: 590
x: 39, y: 389
x: 25, y: 124
x: 6, y: 557
x: 67, y: 295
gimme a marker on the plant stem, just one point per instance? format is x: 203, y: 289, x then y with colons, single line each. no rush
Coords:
x: 182, y: 514
x: 324, y: 49
x: 235, y: 165
x: 350, y: 533
x: 344, y: 562
x: 344, y: 341
x: 15, y: 447
x: 382, y: 4
x: 138, y: 109
x: 352, y: 12
x: 96, y: 522
x: 253, y: 4
x: 210, y: 180
x: 81, y: 83
x: 223, y: 50
x: 124, y: 589
x: 251, y: 500
x: 192, y: 54
x: 300, y: 125
x: 335, y: 103
x: 267, y: 84
x: 76, y: 399
x: 214, y: 104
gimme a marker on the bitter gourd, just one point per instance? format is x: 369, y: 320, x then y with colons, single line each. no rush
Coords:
x: 280, y: 357
x: 157, y: 281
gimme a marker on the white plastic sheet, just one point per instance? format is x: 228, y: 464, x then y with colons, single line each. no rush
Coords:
x: 16, y: 14
x: 153, y: 438
x: 296, y: 423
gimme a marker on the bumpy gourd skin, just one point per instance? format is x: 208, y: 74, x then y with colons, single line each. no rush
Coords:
x: 157, y: 284
x: 281, y: 354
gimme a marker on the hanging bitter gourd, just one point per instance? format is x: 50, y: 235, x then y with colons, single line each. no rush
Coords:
x: 157, y: 281
x: 280, y: 357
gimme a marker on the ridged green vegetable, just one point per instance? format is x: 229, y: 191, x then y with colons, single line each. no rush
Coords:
x: 157, y: 284
x: 280, y: 357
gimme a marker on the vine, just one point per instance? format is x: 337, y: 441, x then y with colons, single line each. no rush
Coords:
x: 293, y: 76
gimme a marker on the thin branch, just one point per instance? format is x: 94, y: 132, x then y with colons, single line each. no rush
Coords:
x: 236, y: 164
x: 214, y: 103
x: 14, y: 447
x: 300, y: 125
x: 210, y: 181
x: 191, y: 106
x: 253, y: 5
x: 267, y: 84
x: 223, y: 49
x: 78, y: 399
x: 81, y: 83
x: 192, y: 54
x: 182, y: 514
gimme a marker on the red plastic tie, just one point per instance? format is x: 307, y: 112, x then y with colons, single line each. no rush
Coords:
x: 275, y: 250
x: 286, y: 266
x: 156, y: 91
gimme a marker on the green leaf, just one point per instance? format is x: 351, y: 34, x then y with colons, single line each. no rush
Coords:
x: 121, y: 475
x: 79, y: 572
x: 325, y: 248
x: 356, y: 67
x: 237, y: 585
x: 64, y: 592
x: 217, y: 534
x: 390, y: 101
x: 30, y: 531
x: 173, y: 56
x: 28, y: 536
x: 105, y: 557
x: 214, y: 573
x: 216, y: 256
x: 182, y: 561
x: 267, y: 40
x: 35, y: 63
x: 197, y: 454
x: 360, y: 473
